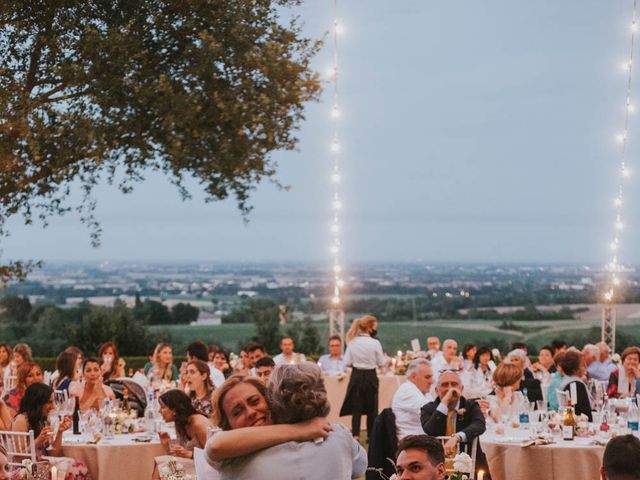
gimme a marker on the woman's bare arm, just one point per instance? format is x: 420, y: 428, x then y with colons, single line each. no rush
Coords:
x: 242, y: 441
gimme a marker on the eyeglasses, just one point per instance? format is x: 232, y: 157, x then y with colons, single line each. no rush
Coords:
x: 449, y: 370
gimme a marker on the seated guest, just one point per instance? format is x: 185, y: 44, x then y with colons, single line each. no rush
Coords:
x: 529, y: 385
x: 112, y: 365
x: 556, y: 381
x: 5, y: 361
x: 622, y: 382
x: 573, y: 367
x: 621, y: 459
x: 545, y: 363
x: 441, y: 417
x: 243, y: 365
x: 333, y: 362
x: 36, y: 406
x: 264, y: 367
x: 603, y: 367
x: 198, y: 351
x: 288, y: 356
x: 468, y: 354
x: 162, y: 370
x: 28, y: 374
x: 91, y: 392
x: 198, y: 386
x: 506, y: 397
x: 483, y: 364
x: 296, y: 394
x: 255, y: 351
x: 449, y: 359
x: 220, y: 359
x: 559, y: 346
x: 433, y: 348
x: 191, y: 430
x: 22, y: 354
x: 420, y: 457
x: 590, y: 355
x: 66, y: 367
x: 411, y: 396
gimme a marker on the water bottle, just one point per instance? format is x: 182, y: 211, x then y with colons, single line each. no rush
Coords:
x: 524, y: 413
x: 149, y: 412
x: 632, y: 417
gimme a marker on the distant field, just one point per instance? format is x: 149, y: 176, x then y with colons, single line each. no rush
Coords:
x: 398, y: 335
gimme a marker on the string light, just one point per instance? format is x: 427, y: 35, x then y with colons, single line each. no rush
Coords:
x: 335, y: 148
x: 614, y: 266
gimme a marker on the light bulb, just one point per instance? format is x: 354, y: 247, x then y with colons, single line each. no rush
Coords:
x: 618, y: 202
x: 619, y: 225
x: 335, y: 178
x: 626, y: 65
x: 335, y: 112
x: 337, y: 268
x: 338, y: 27
x: 621, y: 137
x: 335, y: 146
x: 335, y: 228
x: 634, y: 27
x: 616, y: 281
x: 631, y: 108
x: 335, y: 300
x: 337, y: 205
x: 614, y: 246
x: 625, y: 172
x: 608, y: 296
x: 340, y: 283
x: 335, y: 249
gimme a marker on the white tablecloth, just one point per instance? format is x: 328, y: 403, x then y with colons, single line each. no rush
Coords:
x: 114, y: 459
x: 560, y: 461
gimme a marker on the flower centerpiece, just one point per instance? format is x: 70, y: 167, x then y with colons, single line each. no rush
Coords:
x: 462, y: 466
x: 174, y: 471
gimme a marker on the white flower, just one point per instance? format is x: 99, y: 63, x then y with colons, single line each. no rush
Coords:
x: 496, y: 353
x: 615, y: 358
x: 462, y: 463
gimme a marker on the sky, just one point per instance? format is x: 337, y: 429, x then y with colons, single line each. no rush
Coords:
x: 470, y: 132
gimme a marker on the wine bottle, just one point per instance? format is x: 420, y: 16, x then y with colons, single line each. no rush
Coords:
x: 568, y: 428
x: 76, y: 417
x: 126, y: 405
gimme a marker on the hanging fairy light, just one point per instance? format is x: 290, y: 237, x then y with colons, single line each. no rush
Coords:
x: 614, y: 267
x: 335, y: 148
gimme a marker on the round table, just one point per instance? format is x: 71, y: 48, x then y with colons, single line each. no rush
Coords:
x: 508, y: 460
x: 119, y: 457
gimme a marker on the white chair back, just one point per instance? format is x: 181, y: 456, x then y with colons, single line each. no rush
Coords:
x: 19, y: 445
x: 204, y: 471
x: 474, y: 451
x: 563, y: 398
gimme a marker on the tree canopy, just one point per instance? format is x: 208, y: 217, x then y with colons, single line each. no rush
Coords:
x: 105, y: 90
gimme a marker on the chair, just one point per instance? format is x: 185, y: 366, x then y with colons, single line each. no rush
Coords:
x: 473, y: 447
x: 204, y: 471
x: 20, y: 446
x: 383, y: 443
x: 563, y: 398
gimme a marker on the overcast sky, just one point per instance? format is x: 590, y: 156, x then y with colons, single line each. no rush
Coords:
x: 471, y: 131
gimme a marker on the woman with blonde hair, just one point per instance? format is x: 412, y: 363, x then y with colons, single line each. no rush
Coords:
x: 364, y: 354
x: 506, y: 396
x: 162, y: 368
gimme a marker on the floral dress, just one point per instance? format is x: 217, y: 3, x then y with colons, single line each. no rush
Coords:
x: 203, y: 405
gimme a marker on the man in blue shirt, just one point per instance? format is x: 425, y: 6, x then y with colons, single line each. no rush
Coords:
x: 333, y: 362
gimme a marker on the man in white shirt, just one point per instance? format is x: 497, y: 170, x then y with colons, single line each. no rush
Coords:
x: 411, y: 396
x: 433, y: 348
x: 603, y: 367
x: 449, y: 359
x: 288, y: 356
x: 333, y: 362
